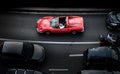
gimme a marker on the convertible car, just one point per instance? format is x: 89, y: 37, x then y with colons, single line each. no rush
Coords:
x: 60, y: 24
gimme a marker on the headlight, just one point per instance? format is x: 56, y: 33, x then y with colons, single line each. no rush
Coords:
x: 114, y: 24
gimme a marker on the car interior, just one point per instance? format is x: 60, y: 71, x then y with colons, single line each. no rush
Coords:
x: 62, y: 21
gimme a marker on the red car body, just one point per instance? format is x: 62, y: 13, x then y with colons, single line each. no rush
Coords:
x: 52, y: 24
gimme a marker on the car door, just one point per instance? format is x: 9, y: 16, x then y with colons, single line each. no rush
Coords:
x: 59, y: 29
x: 64, y: 30
x: 56, y: 30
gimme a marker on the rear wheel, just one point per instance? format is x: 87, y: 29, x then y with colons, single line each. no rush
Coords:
x: 74, y: 32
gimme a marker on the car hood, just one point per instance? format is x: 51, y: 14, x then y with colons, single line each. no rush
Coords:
x: 45, y: 21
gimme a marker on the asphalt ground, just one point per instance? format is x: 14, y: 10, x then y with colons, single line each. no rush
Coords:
x: 22, y: 26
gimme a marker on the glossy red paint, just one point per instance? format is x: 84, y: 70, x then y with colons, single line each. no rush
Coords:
x: 72, y: 23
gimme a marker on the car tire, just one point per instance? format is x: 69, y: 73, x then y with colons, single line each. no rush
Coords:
x: 47, y: 33
x: 74, y: 32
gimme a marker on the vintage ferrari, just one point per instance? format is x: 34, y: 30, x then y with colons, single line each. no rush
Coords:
x: 60, y: 24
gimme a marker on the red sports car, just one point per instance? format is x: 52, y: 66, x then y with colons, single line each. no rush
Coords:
x: 60, y: 24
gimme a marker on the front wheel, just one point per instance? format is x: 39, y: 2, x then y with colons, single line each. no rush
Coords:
x: 47, y: 32
x: 74, y: 32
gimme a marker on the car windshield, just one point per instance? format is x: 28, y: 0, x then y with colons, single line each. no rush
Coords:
x: 58, y: 22
x: 118, y: 16
x: 54, y: 22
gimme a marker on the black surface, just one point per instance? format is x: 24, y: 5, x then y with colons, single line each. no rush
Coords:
x: 23, y: 26
x: 6, y: 5
x: 60, y: 3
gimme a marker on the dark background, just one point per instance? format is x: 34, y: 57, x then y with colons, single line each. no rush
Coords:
x: 7, y: 4
x: 23, y: 27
